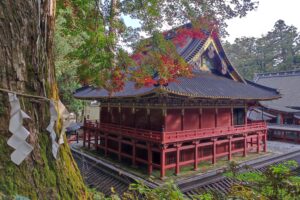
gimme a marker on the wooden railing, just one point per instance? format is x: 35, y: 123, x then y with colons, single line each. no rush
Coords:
x: 175, y: 136
x: 155, y: 136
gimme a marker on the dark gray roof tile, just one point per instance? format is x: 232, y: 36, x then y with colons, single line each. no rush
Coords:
x: 288, y: 84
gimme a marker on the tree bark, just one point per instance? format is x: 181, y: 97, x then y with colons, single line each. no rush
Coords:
x: 26, y: 65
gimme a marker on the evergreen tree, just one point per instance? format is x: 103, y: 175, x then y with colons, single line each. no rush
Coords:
x: 278, y: 50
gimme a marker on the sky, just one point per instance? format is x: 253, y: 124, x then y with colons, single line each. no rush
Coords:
x: 259, y: 21
x: 262, y: 20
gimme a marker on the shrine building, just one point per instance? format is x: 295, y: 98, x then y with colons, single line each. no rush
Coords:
x: 282, y: 114
x: 185, y: 122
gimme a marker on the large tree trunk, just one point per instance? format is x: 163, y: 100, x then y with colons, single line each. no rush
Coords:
x: 26, y: 65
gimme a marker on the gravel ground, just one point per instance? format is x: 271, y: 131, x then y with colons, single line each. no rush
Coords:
x: 282, y: 147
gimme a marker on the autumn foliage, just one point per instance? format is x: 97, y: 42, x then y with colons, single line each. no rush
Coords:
x: 183, y: 34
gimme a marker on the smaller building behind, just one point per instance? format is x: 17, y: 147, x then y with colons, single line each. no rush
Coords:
x: 286, y: 123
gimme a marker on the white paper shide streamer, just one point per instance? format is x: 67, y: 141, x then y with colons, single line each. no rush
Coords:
x: 65, y: 120
x: 64, y: 114
x: 50, y: 128
x: 20, y: 133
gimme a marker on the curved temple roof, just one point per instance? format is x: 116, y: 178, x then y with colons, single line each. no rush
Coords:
x: 288, y: 84
x: 203, y: 84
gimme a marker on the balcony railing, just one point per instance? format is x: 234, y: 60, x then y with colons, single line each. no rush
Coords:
x: 175, y: 136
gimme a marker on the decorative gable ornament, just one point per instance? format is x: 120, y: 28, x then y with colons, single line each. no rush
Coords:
x: 20, y: 133
x: 211, y: 53
x: 224, y: 68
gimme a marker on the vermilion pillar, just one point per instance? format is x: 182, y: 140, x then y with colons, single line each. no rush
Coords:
x: 200, y: 118
x: 196, y: 156
x: 245, y: 145
x: 231, y: 115
x: 246, y: 121
x: 258, y: 142
x: 230, y: 148
x: 214, y: 156
x: 216, y: 117
x: 177, y: 170
x: 133, y: 152
x: 84, y: 132
x: 89, y: 138
x: 162, y: 162
x: 149, y: 158
x: 96, y: 141
x: 119, y: 148
x: 96, y: 136
x: 182, y: 119
x: 265, y: 141
x: 105, y: 144
x: 148, y: 118
x: 165, y: 113
x: 84, y: 136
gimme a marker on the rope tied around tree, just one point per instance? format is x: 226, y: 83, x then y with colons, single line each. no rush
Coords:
x: 20, y: 133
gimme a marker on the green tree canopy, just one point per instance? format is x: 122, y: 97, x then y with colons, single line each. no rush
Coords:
x: 101, y: 59
x: 278, y: 50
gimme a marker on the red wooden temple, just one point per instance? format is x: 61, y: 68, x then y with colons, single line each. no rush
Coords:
x: 186, y: 122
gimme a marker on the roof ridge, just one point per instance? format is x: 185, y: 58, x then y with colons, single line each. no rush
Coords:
x: 294, y: 72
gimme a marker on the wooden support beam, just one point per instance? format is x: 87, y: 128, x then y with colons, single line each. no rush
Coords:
x: 182, y: 119
x: 214, y: 151
x: 162, y: 163
x: 133, y: 153
x: 200, y: 118
x: 119, y: 148
x: 84, y: 131
x: 165, y: 113
x: 246, y: 121
x: 105, y: 145
x: 89, y: 139
x: 258, y: 142
x: 96, y: 141
x: 245, y: 146
x: 231, y: 116
x: 196, y: 157
x: 150, y: 167
x: 230, y: 148
x: 149, y: 118
x: 177, y: 169
x: 265, y: 140
x: 84, y: 136
x: 216, y: 117
x: 96, y: 136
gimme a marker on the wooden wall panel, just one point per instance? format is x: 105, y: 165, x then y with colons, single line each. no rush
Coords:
x: 191, y: 119
x: 224, y: 117
x: 222, y: 148
x: 208, y: 117
x: 141, y: 118
x: 156, y: 119
x: 115, y: 115
x: 127, y: 117
x: 173, y: 120
x: 105, y: 116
